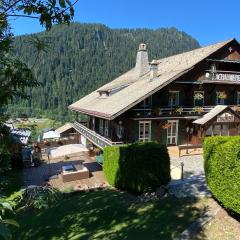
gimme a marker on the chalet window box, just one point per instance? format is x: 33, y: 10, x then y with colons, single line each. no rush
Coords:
x: 179, y: 110
x: 198, y: 110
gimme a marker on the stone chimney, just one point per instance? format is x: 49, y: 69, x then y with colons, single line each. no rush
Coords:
x: 142, y: 65
x: 153, y: 69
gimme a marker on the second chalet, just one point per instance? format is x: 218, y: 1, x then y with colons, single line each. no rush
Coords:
x: 174, y: 100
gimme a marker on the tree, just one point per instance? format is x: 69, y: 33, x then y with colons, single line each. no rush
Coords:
x: 16, y: 76
x: 4, y: 223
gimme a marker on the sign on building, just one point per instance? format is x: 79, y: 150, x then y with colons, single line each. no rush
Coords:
x: 225, y: 117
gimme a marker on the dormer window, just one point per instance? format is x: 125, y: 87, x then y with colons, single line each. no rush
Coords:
x: 213, y: 68
x: 173, y: 99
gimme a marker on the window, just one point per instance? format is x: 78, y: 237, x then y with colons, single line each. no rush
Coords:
x: 147, y: 102
x: 120, y: 130
x: 238, y: 98
x: 225, y: 130
x: 220, y: 98
x: 218, y: 130
x: 198, y: 98
x: 106, y: 128
x: 93, y: 123
x: 101, y: 126
x: 173, y: 100
x: 145, y: 131
x: 209, y: 131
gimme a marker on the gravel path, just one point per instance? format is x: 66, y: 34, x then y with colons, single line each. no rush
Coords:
x: 194, y: 184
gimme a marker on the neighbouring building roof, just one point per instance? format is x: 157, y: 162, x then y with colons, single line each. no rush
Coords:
x: 64, y: 128
x: 129, y: 89
x: 51, y: 135
x: 21, y: 135
x: 210, y: 115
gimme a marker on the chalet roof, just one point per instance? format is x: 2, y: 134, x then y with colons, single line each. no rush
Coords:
x: 128, y: 89
x: 210, y: 115
x: 64, y: 128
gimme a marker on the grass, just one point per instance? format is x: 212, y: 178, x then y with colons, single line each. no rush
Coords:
x: 108, y: 214
x: 11, y: 181
x: 223, y: 226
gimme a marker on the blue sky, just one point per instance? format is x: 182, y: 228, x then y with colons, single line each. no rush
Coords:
x: 208, y: 21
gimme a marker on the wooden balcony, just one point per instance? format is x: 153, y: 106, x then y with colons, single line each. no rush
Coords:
x: 95, y: 138
x: 177, y: 112
x: 180, y: 111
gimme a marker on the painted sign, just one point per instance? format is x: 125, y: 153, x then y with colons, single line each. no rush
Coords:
x: 225, y: 117
x: 227, y: 77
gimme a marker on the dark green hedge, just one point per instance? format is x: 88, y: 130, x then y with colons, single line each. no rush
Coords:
x: 222, y: 169
x: 137, y: 167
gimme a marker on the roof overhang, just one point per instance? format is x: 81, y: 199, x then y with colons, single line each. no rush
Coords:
x: 113, y: 116
x: 92, y: 113
x: 221, y: 114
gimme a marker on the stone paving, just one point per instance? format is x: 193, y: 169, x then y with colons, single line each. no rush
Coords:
x: 50, y: 173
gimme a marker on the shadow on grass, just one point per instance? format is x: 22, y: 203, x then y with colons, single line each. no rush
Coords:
x: 109, y: 214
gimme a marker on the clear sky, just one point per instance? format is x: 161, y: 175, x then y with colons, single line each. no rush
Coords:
x: 208, y: 21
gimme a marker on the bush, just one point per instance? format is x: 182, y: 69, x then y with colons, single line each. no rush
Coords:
x: 222, y: 169
x: 137, y: 167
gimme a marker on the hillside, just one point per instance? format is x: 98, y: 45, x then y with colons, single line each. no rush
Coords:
x: 83, y: 57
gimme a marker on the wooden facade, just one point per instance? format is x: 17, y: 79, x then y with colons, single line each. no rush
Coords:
x: 168, y: 115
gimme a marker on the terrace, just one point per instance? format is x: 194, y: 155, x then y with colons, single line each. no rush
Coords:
x: 94, y: 137
x: 53, y: 168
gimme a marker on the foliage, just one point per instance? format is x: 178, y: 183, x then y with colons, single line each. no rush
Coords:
x: 5, y: 222
x: 199, y: 109
x: 179, y: 110
x: 40, y: 197
x: 83, y: 57
x: 221, y: 95
x: 15, y: 75
x: 198, y: 96
x: 222, y: 169
x: 109, y: 214
x: 11, y: 181
x: 5, y: 145
x: 47, y: 12
x: 137, y: 167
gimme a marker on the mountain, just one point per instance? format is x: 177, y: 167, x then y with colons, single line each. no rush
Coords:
x: 82, y: 57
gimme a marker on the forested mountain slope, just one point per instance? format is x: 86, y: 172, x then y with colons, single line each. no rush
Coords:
x: 83, y: 57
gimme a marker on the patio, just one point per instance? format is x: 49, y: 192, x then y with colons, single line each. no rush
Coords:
x: 49, y: 172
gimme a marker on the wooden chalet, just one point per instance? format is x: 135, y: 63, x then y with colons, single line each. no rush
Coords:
x: 174, y: 100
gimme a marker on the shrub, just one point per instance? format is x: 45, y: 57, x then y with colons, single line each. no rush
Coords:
x: 137, y: 167
x: 222, y: 169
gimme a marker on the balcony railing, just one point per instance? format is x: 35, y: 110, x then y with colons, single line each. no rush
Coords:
x: 176, y: 111
x: 171, y: 111
x: 94, y: 137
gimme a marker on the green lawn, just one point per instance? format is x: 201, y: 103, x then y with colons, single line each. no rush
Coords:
x: 108, y: 214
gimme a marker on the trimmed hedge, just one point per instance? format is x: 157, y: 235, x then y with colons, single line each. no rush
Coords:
x: 137, y: 167
x: 222, y: 169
